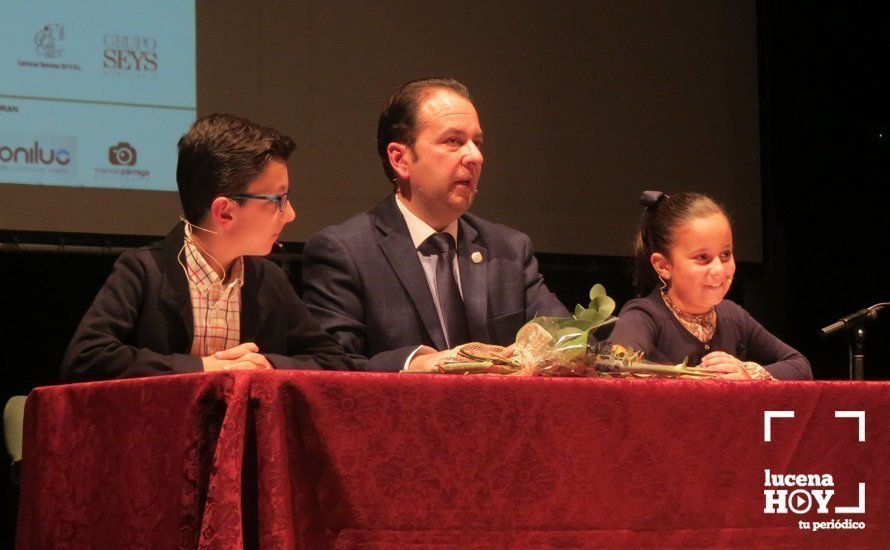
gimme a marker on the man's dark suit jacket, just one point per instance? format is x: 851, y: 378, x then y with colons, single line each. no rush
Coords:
x: 140, y: 323
x: 364, y: 282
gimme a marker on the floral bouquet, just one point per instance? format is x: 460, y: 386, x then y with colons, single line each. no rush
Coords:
x: 565, y: 346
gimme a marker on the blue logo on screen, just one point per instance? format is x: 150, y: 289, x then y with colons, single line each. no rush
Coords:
x: 34, y: 154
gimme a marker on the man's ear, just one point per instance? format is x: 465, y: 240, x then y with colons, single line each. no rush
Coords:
x: 661, y: 264
x: 400, y: 158
x: 223, y: 212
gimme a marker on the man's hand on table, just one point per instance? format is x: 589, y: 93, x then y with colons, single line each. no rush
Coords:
x: 426, y: 359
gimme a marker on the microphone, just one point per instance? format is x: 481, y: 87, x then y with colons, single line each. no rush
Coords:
x: 854, y: 324
x: 868, y: 313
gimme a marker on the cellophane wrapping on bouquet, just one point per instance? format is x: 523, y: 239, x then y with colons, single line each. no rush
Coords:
x: 565, y: 346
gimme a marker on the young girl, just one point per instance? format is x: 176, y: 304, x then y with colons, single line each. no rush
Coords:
x: 684, y: 266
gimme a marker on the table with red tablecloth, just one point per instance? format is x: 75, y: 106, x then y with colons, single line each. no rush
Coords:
x: 320, y: 459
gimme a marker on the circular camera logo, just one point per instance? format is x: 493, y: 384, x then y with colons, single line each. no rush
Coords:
x: 122, y: 154
x: 122, y: 158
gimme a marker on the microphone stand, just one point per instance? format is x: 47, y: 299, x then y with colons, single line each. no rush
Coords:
x: 855, y: 326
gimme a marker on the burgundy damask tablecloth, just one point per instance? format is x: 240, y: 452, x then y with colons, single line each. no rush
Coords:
x: 317, y: 459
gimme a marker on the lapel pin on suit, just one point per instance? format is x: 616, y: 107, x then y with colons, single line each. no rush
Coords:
x: 476, y: 257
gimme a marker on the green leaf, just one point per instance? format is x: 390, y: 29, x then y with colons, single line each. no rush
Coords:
x: 597, y: 290
x: 589, y: 315
x: 603, y: 305
x: 584, y: 319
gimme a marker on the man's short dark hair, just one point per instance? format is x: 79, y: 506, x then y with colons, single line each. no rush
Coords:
x: 398, y: 121
x: 220, y: 155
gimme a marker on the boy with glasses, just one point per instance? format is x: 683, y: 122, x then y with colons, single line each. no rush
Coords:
x: 202, y: 300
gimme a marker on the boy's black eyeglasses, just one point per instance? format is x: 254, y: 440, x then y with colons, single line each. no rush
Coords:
x: 281, y: 200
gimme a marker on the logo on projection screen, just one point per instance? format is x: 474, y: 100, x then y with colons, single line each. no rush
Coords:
x: 33, y: 156
x: 122, y: 154
x: 48, y: 40
x: 123, y: 158
x: 48, y: 46
x: 130, y: 55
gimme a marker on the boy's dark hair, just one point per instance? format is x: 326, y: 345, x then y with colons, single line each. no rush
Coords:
x: 219, y: 156
x: 398, y: 121
x: 663, y: 215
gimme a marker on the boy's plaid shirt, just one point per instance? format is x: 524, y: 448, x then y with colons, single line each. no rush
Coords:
x: 216, y: 307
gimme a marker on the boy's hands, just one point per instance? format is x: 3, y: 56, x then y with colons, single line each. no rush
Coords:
x: 241, y: 357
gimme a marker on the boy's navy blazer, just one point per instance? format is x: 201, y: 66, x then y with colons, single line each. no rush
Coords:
x: 140, y: 323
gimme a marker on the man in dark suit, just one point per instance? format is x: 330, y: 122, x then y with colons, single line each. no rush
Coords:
x: 416, y: 273
x: 201, y: 301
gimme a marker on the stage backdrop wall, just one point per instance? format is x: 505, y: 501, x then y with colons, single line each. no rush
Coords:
x: 584, y: 104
